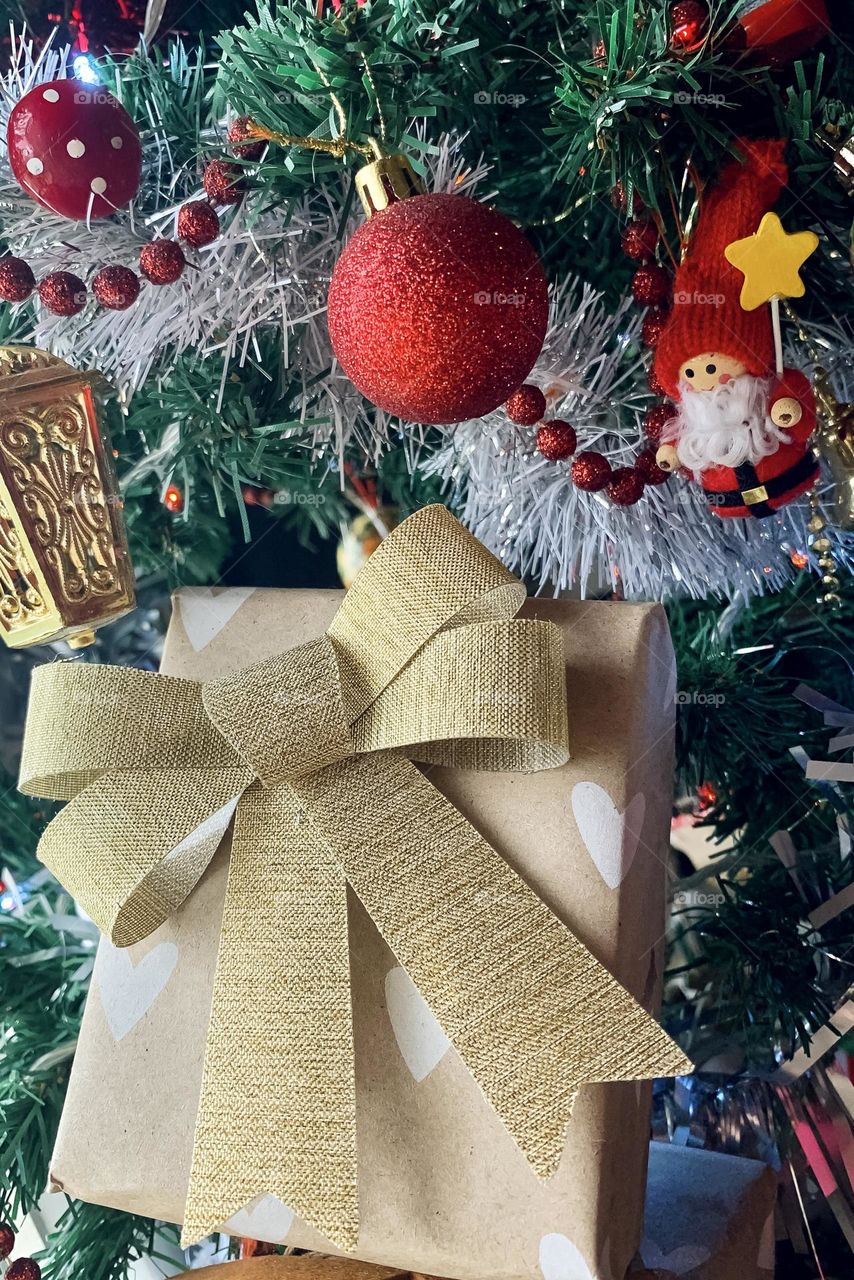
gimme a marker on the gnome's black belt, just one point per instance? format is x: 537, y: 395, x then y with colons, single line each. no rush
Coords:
x: 754, y: 495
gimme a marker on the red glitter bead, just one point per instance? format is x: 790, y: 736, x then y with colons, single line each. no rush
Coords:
x: 600, y: 53
x: 63, y: 293
x: 654, y: 383
x: 198, y: 223
x: 625, y: 486
x: 688, y: 22
x: 24, y: 1269
x: 238, y: 132
x: 7, y: 1240
x: 656, y: 420
x: 556, y: 440
x: 639, y: 240
x: 653, y: 325
x: 162, y: 261
x: 620, y: 199
x: 652, y: 473
x: 526, y: 406
x: 16, y: 281
x: 223, y: 182
x: 116, y: 287
x: 590, y: 471
x: 438, y: 308
x: 651, y: 285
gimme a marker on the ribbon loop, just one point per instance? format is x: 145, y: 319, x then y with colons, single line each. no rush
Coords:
x: 424, y: 659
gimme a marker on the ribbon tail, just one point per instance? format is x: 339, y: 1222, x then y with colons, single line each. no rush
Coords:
x: 530, y: 1010
x: 277, y: 1113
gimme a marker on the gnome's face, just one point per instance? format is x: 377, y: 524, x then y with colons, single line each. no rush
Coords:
x: 726, y: 422
x: 710, y: 369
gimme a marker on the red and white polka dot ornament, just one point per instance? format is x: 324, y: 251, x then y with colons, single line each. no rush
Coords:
x: 74, y: 149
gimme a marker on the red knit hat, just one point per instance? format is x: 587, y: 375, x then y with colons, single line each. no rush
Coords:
x: 707, y: 314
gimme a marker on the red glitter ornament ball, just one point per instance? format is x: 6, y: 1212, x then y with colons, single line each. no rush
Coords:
x: 590, y: 471
x: 688, y: 22
x: 526, y: 406
x: 198, y: 223
x: 651, y: 285
x: 223, y: 182
x: 556, y: 440
x: 438, y: 308
x: 656, y: 420
x: 63, y: 293
x: 639, y: 240
x: 7, y: 1240
x: 74, y: 149
x: 652, y: 473
x: 16, y: 284
x: 653, y: 325
x: 162, y: 261
x: 625, y: 486
x: 243, y: 144
x: 24, y: 1269
x: 116, y: 287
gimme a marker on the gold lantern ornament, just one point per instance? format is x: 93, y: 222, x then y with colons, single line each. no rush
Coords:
x: 65, y: 569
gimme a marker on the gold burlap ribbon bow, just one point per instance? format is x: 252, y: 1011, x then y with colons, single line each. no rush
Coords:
x: 312, y: 752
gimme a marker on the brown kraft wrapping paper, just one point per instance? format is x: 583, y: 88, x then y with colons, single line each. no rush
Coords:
x: 443, y: 1188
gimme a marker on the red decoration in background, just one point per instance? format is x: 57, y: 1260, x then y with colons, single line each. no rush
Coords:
x: 590, y: 471
x: 556, y: 440
x: 640, y: 239
x: 116, y: 288
x: 651, y: 285
x: 653, y: 325
x: 657, y: 419
x: 24, y: 1269
x: 781, y: 31
x: 162, y: 261
x: 63, y: 293
x: 198, y: 223
x: 223, y: 182
x: 625, y: 487
x: 7, y: 1240
x: 438, y: 308
x: 689, y: 21
x: 74, y: 149
x: 173, y: 499
x: 16, y: 284
x: 526, y: 406
x: 650, y: 470
x: 238, y: 133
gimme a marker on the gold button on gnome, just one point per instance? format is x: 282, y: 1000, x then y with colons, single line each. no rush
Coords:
x: 64, y: 563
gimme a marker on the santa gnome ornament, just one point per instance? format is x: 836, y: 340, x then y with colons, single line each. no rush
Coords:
x: 741, y: 430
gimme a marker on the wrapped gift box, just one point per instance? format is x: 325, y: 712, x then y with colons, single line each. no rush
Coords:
x: 443, y: 1189
x: 708, y: 1216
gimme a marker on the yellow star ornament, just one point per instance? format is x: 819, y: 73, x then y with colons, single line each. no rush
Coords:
x: 770, y: 261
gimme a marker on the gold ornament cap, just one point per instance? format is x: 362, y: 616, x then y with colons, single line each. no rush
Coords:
x: 385, y: 181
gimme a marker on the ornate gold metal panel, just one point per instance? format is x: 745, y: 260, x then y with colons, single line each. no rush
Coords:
x: 64, y: 563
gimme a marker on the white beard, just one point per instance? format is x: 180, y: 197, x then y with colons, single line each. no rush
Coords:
x: 727, y: 426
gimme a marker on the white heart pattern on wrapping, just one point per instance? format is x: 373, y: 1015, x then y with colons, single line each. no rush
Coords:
x: 561, y: 1260
x: 682, y: 1259
x: 264, y: 1218
x: 611, y: 837
x: 422, y: 1042
x: 129, y: 990
x: 204, y: 614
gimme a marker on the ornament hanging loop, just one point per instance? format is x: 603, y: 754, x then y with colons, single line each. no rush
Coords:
x: 386, y: 180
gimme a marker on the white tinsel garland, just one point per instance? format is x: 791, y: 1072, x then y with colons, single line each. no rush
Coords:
x: 530, y: 514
